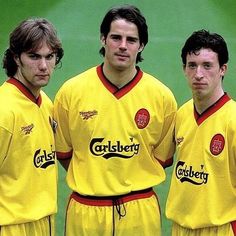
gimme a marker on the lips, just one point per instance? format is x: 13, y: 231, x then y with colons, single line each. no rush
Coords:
x: 121, y: 55
x: 42, y: 75
x: 199, y: 85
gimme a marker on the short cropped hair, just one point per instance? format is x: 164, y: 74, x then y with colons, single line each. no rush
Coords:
x: 129, y: 13
x: 204, y: 39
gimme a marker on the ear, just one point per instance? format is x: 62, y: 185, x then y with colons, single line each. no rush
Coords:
x: 223, y: 69
x: 17, y: 59
x: 141, y: 48
x: 103, y: 40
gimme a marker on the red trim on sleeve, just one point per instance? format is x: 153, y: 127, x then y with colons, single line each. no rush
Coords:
x: 167, y: 163
x: 233, y: 225
x: 64, y: 155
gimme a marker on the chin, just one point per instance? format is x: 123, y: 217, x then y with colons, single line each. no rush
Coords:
x: 43, y: 84
x: 121, y: 66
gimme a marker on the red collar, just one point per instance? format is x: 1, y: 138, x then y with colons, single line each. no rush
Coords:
x: 211, y: 110
x: 25, y: 91
x: 119, y: 92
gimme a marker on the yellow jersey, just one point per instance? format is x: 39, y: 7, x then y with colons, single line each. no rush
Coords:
x: 28, y: 169
x: 203, y: 185
x: 119, y: 139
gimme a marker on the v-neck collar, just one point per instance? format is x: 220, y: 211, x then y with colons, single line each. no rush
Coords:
x: 25, y: 90
x: 119, y: 92
x: 212, y: 109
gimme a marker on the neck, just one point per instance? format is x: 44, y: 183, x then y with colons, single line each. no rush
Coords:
x: 35, y: 91
x: 119, y: 77
x: 203, y: 103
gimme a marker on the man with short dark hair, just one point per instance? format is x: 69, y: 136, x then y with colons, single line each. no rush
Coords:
x: 202, y: 197
x: 115, y: 135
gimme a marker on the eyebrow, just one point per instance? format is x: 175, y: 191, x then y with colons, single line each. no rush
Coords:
x: 35, y: 53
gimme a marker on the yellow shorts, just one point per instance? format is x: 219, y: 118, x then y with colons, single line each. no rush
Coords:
x: 136, y: 214
x: 42, y: 227
x: 222, y: 230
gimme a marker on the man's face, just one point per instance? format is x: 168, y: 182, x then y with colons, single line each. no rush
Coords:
x: 35, y: 68
x: 204, y: 74
x: 122, y: 44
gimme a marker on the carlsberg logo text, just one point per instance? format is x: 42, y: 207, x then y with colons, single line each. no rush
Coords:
x: 187, y: 173
x: 43, y: 159
x: 115, y: 149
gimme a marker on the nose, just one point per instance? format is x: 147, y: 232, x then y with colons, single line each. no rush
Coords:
x: 42, y: 64
x: 123, y: 44
x: 199, y: 74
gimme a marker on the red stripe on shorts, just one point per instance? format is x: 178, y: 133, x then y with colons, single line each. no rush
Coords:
x: 109, y: 201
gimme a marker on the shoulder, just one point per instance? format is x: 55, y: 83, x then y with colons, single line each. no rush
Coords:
x: 8, y: 95
x: 76, y: 85
x: 232, y: 104
x: 230, y: 109
x: 8, y: 107
x: 187, y: 105
x: 156, y: 87
x: 5, y: 89
x: 154, y: 82
x: 79, y: 79
x: 46, y: 101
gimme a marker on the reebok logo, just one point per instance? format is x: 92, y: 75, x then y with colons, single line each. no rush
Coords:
x: 27, y: 129
x: 88, y: 114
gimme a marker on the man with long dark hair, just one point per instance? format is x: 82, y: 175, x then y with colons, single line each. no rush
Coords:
x: 28, y: 167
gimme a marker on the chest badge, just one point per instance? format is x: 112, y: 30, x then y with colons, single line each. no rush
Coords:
x: 142, y: 118
x: 217, y: 144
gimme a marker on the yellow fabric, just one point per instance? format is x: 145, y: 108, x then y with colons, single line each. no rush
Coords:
x: 223, y: 230
x: 141, y: 218
x: 203, y: 185
x: 111, y: 155
x: 28, y: 169
x: 42, y: 227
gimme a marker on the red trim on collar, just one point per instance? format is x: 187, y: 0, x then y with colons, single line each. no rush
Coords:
x: 211, y: 110
x: 118, y: 93
x: 25, y: 91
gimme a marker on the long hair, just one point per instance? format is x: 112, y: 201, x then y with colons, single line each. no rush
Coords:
x: 28, y: 36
